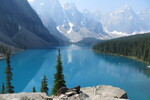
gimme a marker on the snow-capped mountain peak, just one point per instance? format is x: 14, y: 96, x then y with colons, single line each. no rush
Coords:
x: 126, y: 8
x: 123, y: 20
x: 86, y: 11
x: 69, y: 6
x: 76, y: 25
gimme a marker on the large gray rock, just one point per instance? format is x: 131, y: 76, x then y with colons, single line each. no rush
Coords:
x: 25, y: 96
x: 105, y: 92
x: 102, y: 92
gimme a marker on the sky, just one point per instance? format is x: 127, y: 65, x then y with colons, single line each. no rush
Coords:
x: 109, y: 5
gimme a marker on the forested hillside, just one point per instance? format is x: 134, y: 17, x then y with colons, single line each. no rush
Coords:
x: 137, y: 46
x: 89, y: 41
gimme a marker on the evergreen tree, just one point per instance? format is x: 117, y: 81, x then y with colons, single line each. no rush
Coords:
x: 9, y: 87
x: 137, y: 46
x: 44, y: 85
x: 33, y: 90
x: 59, y: 81
x: 3, y: 89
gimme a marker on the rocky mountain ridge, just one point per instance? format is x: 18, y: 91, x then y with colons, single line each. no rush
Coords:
x: 20, y: 26
x: 69, y: 21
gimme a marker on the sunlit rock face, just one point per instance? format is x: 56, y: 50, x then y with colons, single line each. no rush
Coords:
x: 25, y: 96
x: 103, y: 92
x: 123, y: 21
x: 68, y: 20
x: 51, y: 14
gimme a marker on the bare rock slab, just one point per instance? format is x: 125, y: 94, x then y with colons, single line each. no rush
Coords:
x: 25, y: 96
x: 102, y: 92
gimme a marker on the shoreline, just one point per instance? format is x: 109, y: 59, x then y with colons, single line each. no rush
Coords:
x: 134, y: 58
x: 2, y: 57
x: 13, y: 51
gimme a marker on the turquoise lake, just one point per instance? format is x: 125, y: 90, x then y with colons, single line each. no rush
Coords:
x: 82, y: 67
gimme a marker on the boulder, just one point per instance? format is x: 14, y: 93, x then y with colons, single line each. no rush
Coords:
x: 68, y: 92
x: 25, y: 96
x: 75, y: 89
x: 103, y: 92
x: 62, y: 91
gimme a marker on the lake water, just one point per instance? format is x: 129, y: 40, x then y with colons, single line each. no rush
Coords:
x: 81, y: 67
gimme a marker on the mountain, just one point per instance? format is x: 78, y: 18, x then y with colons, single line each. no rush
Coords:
x: 123, y: 20
x: 68, y: 20
x: 86, y: 13
x: 136, y: 46
x: 51, y: 14
x: 20, y: 26
x: 89, y: 41
x: 79, y: 26
x: 68, y: 23
x: 145, y: 17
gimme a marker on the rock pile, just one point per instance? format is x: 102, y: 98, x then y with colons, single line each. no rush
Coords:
x: 25, y: 96
x: 102, y: 92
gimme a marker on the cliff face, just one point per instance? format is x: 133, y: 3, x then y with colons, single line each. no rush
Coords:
x: 90, y: 93
x: 20, y: 26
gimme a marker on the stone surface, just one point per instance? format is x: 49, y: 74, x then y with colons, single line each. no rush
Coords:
x: 105, y: 91
x: 102, y: 92
x: 25, y: 96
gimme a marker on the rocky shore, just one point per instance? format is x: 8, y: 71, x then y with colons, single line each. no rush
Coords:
x: 102, y: 92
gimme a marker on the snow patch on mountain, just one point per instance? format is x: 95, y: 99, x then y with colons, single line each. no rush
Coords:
x: 76, y: 25
x: 30, y: 0
x: 116, y: 34
x: 123, y: 20
x: 71, y: 26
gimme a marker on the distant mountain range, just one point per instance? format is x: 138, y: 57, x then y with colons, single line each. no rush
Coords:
x: 69, y: 21
x: 20, y: 26
x: 54, y: 24
x: 125, y: 20
x: 76, y: 25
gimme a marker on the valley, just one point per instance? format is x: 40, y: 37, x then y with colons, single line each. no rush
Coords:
x: 51, y: 46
